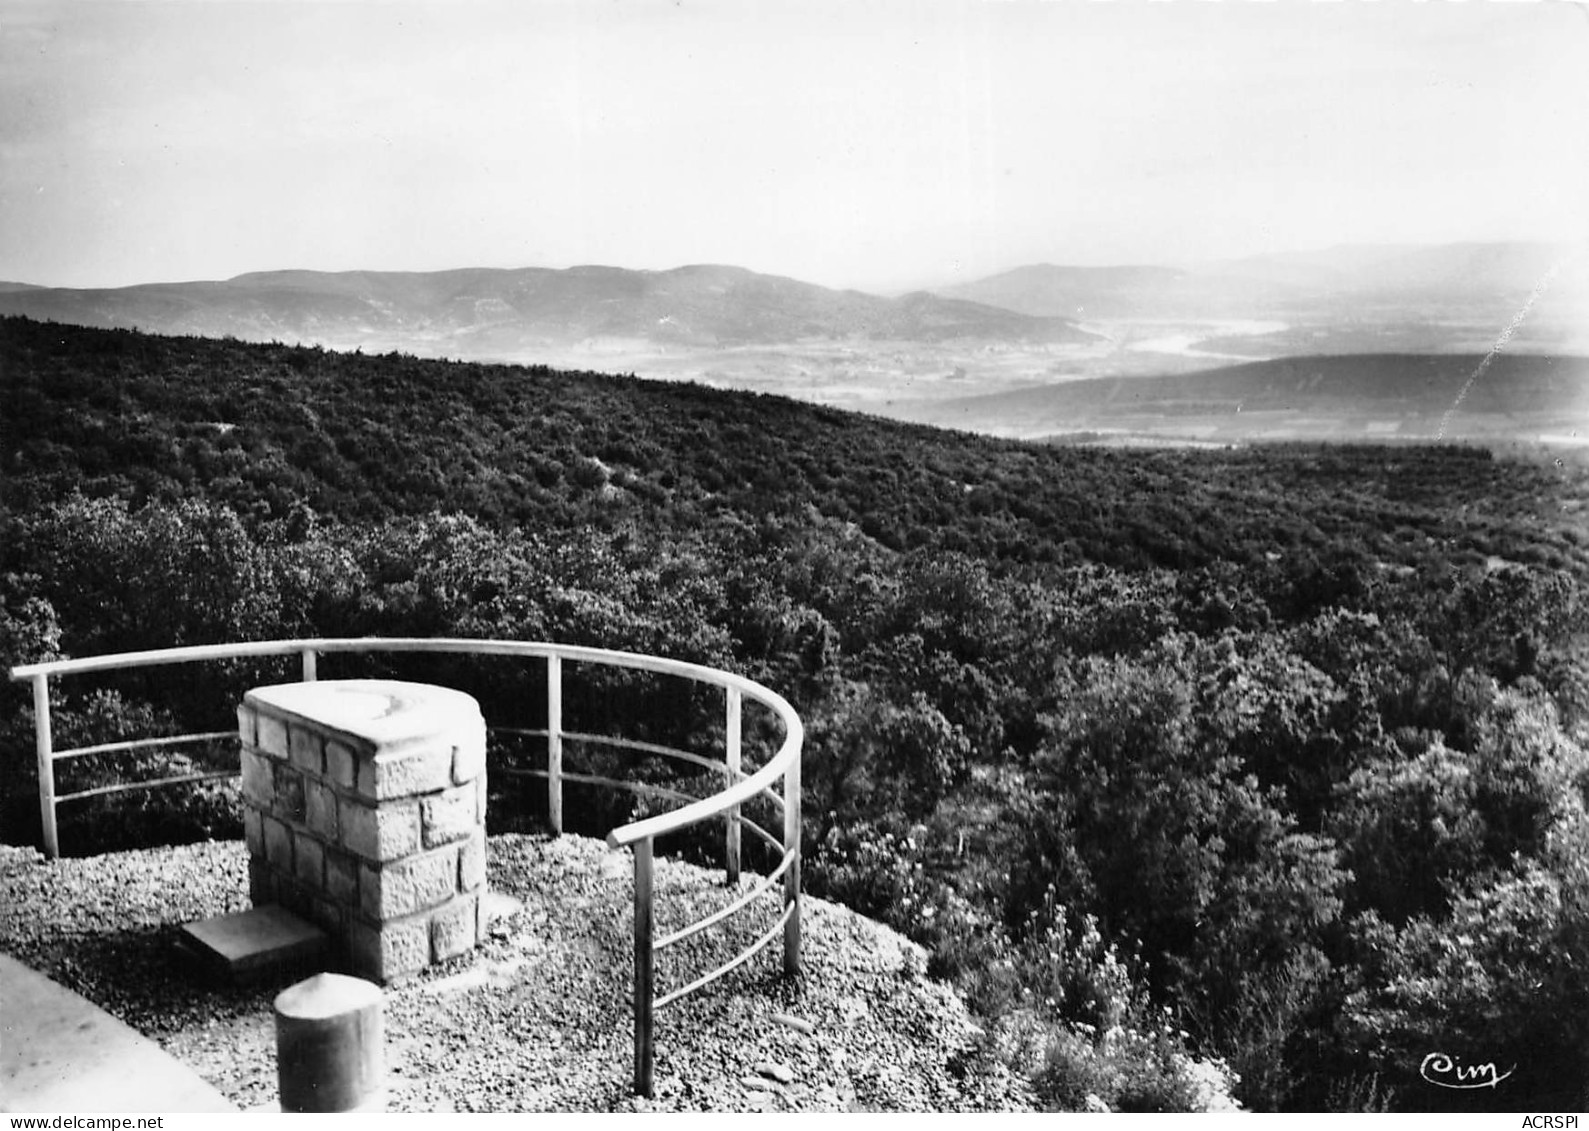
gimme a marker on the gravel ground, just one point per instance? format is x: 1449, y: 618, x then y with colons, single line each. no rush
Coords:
x: 539, y: 1018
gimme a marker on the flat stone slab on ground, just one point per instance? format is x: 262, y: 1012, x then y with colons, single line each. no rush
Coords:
x: 247, y: 944
x: 499, y: 906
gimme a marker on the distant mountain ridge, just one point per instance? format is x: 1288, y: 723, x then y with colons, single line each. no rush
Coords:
x: 1523, y: 397
x: 1044, y: 289
x: 1476, y: 279
x: 478, y: 312
x: 1040, y: 324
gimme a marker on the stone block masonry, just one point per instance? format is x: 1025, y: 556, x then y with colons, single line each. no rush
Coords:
x: 364, y: 812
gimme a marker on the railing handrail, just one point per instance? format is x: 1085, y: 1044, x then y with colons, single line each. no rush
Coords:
x: 191, y: 653
x: 622, y: 837
x: 638, y: 835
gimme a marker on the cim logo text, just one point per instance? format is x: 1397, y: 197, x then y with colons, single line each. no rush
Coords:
x: 1445, y: 1071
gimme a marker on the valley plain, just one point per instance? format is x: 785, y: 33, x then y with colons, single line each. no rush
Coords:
x: 996, y: 355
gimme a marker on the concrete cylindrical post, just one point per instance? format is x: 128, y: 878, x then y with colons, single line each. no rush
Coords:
x: 329, y: 1046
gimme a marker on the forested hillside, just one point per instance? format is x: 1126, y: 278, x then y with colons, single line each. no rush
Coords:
x: 1274, y: 755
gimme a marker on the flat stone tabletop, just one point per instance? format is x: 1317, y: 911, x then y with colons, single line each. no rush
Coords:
x: 377, y: 711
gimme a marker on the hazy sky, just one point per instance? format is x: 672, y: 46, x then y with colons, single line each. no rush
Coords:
x: 848, y: 143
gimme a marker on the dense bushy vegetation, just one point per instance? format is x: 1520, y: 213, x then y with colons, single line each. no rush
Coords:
x: 1270, y: 756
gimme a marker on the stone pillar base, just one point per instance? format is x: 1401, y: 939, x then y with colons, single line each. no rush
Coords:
x: 364, y: 811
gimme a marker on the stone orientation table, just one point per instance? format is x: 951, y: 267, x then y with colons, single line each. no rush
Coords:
x: 364, y: 812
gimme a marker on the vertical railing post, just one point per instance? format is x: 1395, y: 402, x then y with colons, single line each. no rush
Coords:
x: 791, y: 878
x: 731, y: 739
x: 554, y: 743
x: 46, y: 752
x: 310, y: 659
x: 644, y: 959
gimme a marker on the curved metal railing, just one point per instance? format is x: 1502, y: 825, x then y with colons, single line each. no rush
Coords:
x: 638, y: 836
